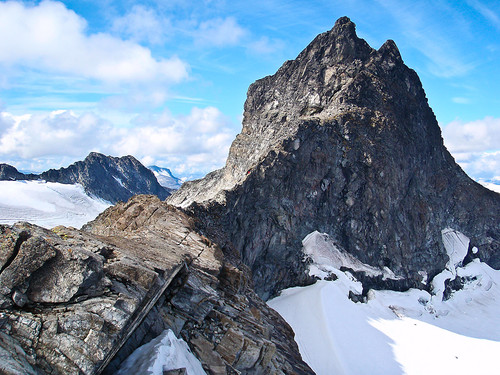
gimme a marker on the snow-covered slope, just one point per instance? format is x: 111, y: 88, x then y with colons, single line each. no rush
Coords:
x: 47, y: 204
x: 413, y: 332
x: 492, y: 184
x: 164, y: 353
x: 166, y: 178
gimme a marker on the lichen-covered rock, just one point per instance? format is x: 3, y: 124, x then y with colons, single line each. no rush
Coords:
x: 341, y: 140
x: 78, y: 302
x: 208, y: 302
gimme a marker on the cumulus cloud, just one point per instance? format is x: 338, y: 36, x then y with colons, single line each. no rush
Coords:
x: 475, y: 146
x: 143, y: 24
x: 480, y: 165
x: 192, y: 144
x: 220, y: 32
x: 50, y: 37
x: 59, y: 133
x: 475, y: 136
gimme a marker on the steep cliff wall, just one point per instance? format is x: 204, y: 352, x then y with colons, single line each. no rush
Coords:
x: 342, y: 140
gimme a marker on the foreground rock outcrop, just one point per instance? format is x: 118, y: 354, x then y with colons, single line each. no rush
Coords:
x: 341, y: 140
x: 81, y: 301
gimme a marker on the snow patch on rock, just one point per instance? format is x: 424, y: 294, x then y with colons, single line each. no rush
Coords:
x: 412, y: 332
x: 164, y: 353
x: 327, y: 257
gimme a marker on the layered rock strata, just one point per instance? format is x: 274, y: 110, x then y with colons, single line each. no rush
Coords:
x: 341, y: 140
x: 80, y: 301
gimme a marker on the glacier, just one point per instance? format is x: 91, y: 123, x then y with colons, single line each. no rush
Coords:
x: 412, y: 332
x: 165, y: 352
x: 47, y: 204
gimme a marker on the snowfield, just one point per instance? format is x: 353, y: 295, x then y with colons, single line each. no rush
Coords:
x: 165, y: 352
x: 47, y: 204
x: 413, y: 332
x: 493, y: 184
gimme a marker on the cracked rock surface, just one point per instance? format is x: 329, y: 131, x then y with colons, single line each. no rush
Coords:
x: 80, y: 301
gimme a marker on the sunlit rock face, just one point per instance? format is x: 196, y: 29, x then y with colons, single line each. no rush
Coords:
x: 341, y: 140
x: 81, y: 301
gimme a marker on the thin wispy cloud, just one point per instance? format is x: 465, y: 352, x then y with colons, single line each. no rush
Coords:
x: 488, y: 13
x: 143, y: 24
x: 219, y: 32
x: 429, y: 37
x: 265, y: 46
x: 460, y: 100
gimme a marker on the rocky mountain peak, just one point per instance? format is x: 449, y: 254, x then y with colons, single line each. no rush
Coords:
x: 113, y: 179
x: 337, y: 73
x: 342, y: 140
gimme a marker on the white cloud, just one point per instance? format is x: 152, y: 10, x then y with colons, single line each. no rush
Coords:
x: 194, y: 144
x: 220, y: 32
x: 143, y: 24
x: 475, y: 146
x: 480, y: 165
x: 59, y: 133
x: 199, y: 142
x: 475, y: 136
x: 52, y: 38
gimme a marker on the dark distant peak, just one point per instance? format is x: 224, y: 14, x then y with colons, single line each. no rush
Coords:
x: 101, y: 158
x: 8, y: 172
x: 95, y: 155
x: 389, y: 51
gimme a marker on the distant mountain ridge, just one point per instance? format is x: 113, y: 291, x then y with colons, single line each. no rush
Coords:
x: 113, y: 179
x: 166, y: 178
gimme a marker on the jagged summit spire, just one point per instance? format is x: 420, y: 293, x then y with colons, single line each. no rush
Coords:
x: 345, y: 27
x: 340, y: 43
x: 336, y: 71
x: 341, y: 140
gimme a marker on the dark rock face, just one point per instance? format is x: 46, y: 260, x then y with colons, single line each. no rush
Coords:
x: 110, y: 178
x: 8, y: 172
x: 78, y: 302
x: 341, y: 140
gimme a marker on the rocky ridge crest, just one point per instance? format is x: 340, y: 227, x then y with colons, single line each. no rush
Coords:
x: 114, y: 179
x: 341, y: 140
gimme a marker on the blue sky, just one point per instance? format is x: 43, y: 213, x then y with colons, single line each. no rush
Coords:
x: 166, y: 81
